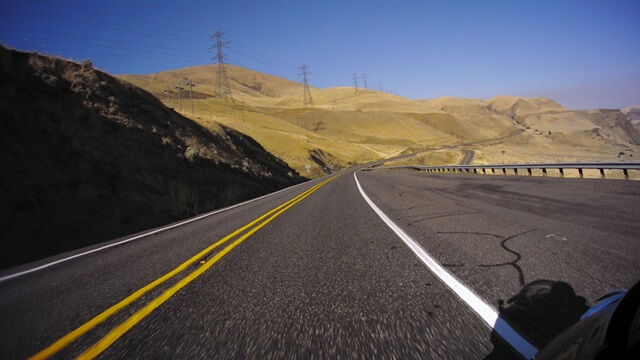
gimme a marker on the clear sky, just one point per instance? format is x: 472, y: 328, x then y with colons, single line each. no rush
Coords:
x: 583, y: 54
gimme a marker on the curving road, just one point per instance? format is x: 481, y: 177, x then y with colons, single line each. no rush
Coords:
x: 315, y: 271
x: 467, y: 157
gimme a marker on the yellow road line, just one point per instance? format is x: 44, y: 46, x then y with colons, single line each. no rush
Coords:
x: 116, y: 333
x: 75, y: 334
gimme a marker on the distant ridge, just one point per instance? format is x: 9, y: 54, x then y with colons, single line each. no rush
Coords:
x: 349, y: 127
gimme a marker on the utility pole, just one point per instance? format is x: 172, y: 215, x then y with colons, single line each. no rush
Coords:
x: 364, y: 78
x: 223, y: 90
x: 179, y: 87
x: 355, y: 84
x: 168, y: 92
x: 191, y: 85
x: 307, y: 100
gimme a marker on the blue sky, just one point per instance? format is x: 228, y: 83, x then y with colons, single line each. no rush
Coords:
x: 584, y: 54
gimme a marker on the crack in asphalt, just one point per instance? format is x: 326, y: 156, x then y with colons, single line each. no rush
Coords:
x: 513, y: 263
x: 444, y: 215
x: 415, y: 207
x: 469, y: 232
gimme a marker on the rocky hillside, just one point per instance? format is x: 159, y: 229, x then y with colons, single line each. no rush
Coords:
x: 632, y: 113
x: 88, y: 157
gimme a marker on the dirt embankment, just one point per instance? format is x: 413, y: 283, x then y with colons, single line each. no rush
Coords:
x: 88, y: 157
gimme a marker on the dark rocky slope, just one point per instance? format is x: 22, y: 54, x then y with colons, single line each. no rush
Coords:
x: 87, y: 157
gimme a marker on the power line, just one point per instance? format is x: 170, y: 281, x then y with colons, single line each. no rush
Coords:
x: 223, y: 90
x: 270, y: 62
x: 93, y: 44
x: 96, y: 11
x: 47, y: 51
x: 52, y: 36
x: 121, y: 28
x: 307, y: 100
x: 160, y: 33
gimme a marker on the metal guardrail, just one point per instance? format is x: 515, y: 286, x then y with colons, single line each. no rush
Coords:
x: 561, y: 167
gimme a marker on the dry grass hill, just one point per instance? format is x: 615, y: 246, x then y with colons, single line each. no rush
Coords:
x: 88, y: 158
x: 345, y: 128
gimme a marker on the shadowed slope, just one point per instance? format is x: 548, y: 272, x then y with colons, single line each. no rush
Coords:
x: 87, y: 158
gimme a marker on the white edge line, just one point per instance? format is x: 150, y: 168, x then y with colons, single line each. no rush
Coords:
x: 486, y: 312
x: 44, y: 266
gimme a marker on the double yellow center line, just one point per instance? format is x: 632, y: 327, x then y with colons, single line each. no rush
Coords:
x: 121, y: 329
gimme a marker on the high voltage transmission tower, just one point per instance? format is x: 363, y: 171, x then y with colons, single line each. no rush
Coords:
x: 223, y: 90
x: 308, y: 101
x: 355, y: 84
x: 364, y: 79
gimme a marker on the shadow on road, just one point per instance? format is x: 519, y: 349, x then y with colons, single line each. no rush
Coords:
x: 539, y: 312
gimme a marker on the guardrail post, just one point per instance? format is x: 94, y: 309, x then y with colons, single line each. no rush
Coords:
x: 544, y: 171
x: 493, y: 171
x: 475, y: 171
x: 529, y: 171
x: 561, y: 172
x: 626, y: 174
x: 504, y: 171
x: 484, y: 171
x: 602, y: 174
x: 580, y: 172
x: 515, y: 171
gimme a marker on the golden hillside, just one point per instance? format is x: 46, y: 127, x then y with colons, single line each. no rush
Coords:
x: 344, y: 127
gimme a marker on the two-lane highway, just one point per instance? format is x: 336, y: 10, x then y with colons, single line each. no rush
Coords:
x: 313, y: 271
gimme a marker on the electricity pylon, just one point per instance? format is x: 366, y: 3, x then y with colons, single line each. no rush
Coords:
x: 307, y: 100
x: 223, y: 90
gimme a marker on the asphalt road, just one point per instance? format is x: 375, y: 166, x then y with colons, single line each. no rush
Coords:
x: 467, y: 157
x: 328, y: 278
